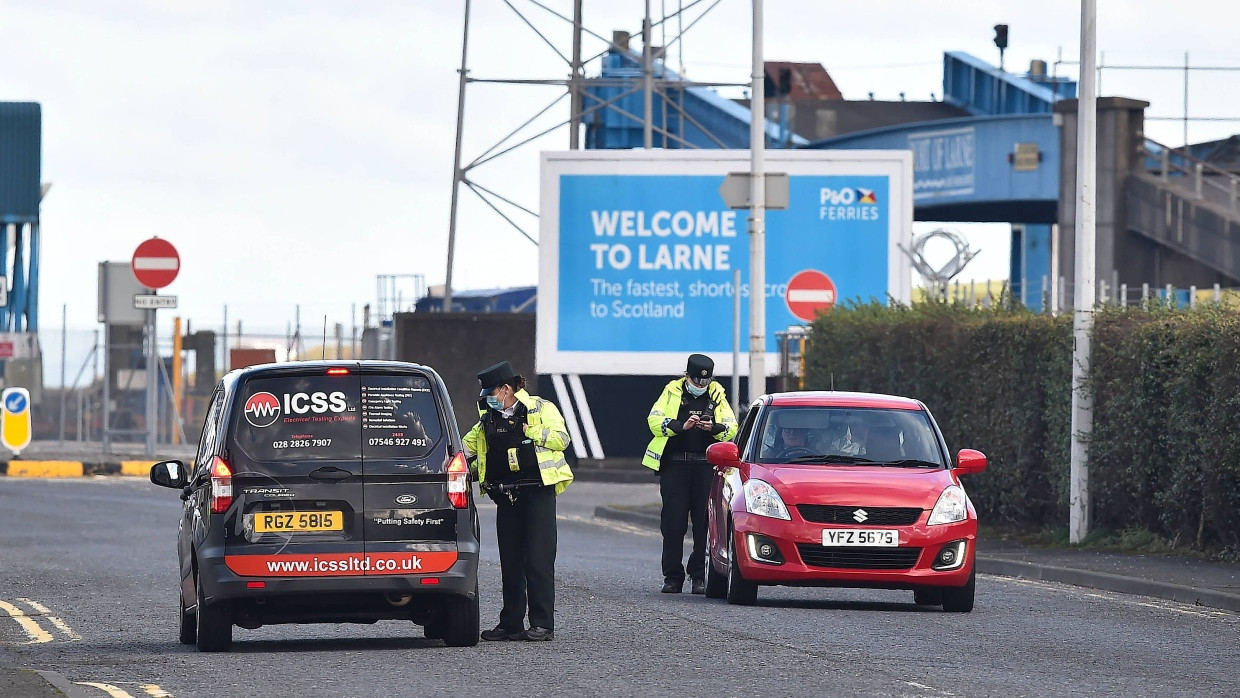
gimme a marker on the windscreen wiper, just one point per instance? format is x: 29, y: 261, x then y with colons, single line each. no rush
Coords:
x: 912, y: 463
x: 829, y: 458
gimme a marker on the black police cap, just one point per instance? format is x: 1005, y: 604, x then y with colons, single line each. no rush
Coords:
x: 699, y: 367
x: 492, y: 377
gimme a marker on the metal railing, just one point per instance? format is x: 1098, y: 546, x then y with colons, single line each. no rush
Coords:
x: 1204, y: 180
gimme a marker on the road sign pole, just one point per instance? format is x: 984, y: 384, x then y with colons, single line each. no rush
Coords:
x: 757, y: 215
x: 151, y: 378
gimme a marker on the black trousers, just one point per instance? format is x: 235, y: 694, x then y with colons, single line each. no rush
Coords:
x: 526, y: 534
x: 684, y: 488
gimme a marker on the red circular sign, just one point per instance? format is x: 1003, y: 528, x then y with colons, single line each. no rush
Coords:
x: 155, y: 263
x: 809, y: 293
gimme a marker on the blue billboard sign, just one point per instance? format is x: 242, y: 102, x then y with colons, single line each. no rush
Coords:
x: 639, y: 268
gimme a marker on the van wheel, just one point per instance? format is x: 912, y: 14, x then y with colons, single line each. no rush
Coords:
x: 960, y: 599
x: 740, y: 591
x: 189, y: 623
x: 214, y: 624
x: 461, y: 621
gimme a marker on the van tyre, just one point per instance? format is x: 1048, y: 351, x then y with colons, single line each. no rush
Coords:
x: 189, y: 623
x: 740, y: 591
x: 461, y: 621
x: 214, y: 626
x: 960, y: 599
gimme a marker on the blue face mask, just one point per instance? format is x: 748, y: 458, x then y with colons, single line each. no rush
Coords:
x: 694, y: 390
x: 494, y: 403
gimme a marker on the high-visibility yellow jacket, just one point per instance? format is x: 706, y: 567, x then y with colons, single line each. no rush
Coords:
x: 545, y: 427
x: 666, y: 409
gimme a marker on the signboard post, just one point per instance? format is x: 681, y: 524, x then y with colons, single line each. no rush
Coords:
x: 15, y: 429
x: 155, y: 264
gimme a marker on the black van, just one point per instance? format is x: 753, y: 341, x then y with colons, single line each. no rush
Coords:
x: 327, y: 492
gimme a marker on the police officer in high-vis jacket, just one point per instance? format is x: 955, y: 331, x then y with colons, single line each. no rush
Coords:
x: 691, y: 414
x: 519, y: 444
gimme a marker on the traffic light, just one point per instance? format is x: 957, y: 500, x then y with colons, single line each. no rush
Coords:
x: 1001, y: 41
x: 1001, y: 36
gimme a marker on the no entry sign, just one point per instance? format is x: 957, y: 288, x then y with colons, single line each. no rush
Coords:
x: 810, y: 292
x: 155, y: 263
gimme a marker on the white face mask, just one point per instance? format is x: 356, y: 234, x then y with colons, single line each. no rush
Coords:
x: 693, y: 389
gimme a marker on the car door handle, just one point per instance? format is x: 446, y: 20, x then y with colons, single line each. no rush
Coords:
x: 330, y: 474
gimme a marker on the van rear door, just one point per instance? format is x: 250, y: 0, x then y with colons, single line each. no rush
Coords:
x: 410, y: 524
x: 295, y: 452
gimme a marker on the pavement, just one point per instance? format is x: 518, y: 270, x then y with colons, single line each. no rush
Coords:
x: 81, y: 458
x: 1182, y: 579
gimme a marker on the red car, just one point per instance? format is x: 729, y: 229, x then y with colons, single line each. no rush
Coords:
x: 841, y: 490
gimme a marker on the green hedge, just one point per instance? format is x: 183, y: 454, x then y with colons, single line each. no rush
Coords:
x: 1164, y: 455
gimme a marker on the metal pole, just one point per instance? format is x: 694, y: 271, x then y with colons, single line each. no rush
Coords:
x: 178, y: 383
x: 1054, y: 309
x: 64, y: 336
x: 94, y: 373
x: 225, y: 347
x: 736, y: 340
x: 151, y: 378
x: 574, y: 85
x: 1082, y: 319
x: 1186, y: 102
x: 456, y: 168
x: 757, y: 215
x: 647, y: 84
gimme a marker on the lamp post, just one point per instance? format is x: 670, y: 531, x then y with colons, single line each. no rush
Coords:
x: 757, y: 214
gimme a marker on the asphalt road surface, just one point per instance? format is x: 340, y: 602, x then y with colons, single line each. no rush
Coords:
x: 91, y: 565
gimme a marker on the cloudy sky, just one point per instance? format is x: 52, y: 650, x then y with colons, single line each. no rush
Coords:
x: 294, y: 150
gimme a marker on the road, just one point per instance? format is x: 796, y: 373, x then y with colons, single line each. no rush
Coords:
x: 92, y: 563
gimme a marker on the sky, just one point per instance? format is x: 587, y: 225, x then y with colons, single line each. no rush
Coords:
x: 294, y: 150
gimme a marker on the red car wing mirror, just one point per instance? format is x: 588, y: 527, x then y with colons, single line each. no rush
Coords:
x: 969, y: 462
x: 724, y: 454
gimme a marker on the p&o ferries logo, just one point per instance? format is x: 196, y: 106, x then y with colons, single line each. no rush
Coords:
x: 847, y: 204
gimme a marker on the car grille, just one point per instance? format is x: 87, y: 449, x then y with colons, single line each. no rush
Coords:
x: 874, y: 516
x: 858, y: 558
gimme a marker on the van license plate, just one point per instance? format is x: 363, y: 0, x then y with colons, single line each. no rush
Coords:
x: 298, y: 521
x: 860, y: 537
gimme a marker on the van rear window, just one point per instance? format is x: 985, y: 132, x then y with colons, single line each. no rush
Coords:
x: 320, y: 417
x: 399, y: 417
x: 297, y: 418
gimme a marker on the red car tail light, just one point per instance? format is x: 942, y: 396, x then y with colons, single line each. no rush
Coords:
x: 458, y: 482
x: 221, y: 486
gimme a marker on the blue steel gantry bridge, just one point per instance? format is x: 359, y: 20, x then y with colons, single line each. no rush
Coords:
x: 999, y: 147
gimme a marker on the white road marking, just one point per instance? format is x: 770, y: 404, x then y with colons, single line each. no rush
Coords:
x: 924, y: 687
x: 108, y: 688
x: 154, y: 690
x: 64, y: 627
x: 613, y: 525
x: 37, y: 634
x: 1116, y: 597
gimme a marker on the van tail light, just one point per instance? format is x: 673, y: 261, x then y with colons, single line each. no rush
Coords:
x: 221, y: 486
x: 458, y: 482
x: 337, y: 371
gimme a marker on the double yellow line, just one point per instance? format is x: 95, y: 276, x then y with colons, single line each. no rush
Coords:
x: 29, y: 622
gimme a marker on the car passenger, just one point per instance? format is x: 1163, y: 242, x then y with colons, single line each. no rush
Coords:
x: 853, y: 441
